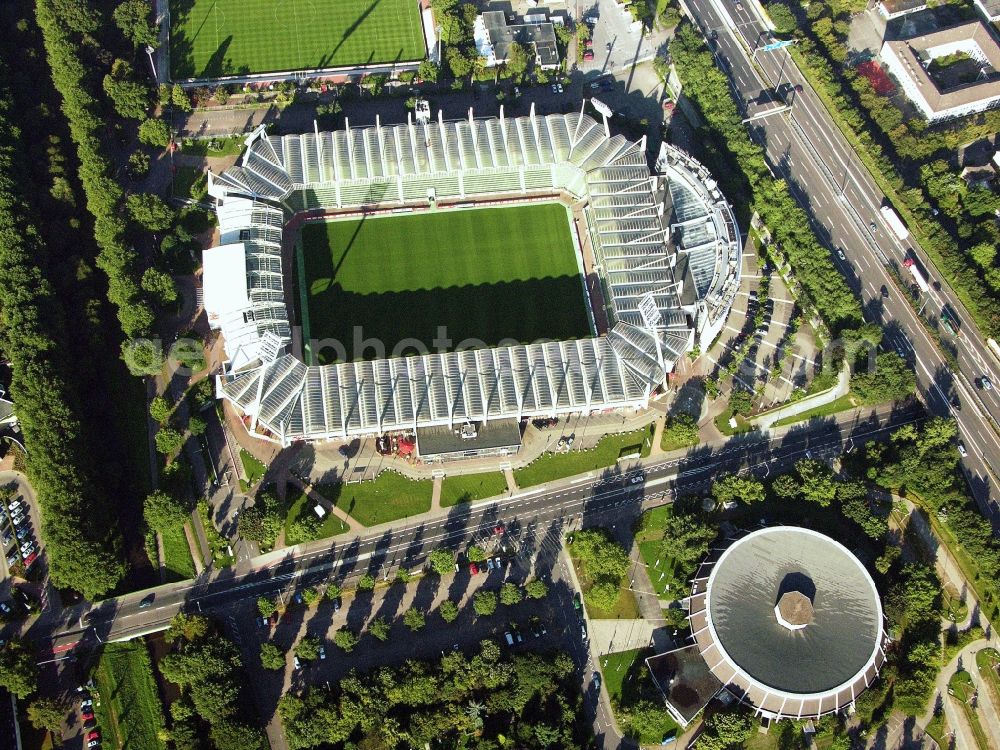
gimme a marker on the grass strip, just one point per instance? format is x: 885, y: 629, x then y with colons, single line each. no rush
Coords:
x: 129, y: 700
x: 253, y: 467
x: 845, y: 402
x: 469, y: 488
x: 177, y: 555
x: 331, y: 526
x: 388, y: 498
x: 219, y: 546
x: 551, y: 466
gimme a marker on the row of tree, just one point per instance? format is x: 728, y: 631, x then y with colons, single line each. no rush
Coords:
x: 528, y: 700
x: 708, y: 89
x: 911, y: 155
x: 64, y: 26
x: 81, y: 541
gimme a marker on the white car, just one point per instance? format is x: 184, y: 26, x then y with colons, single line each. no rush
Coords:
x: 322, y: 653
x: 296, y: 662
x: 559, y: 88
x: 986, y: 383
x: 961, y: 450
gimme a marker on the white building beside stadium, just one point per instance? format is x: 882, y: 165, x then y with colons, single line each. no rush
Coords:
x: 666, y: 248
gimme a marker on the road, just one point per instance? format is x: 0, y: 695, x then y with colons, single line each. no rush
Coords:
x: 805, y: 147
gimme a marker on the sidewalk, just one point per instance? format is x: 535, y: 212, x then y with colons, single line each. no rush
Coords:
x: 764, y: 421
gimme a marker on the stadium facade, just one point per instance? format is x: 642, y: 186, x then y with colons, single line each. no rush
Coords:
x: 789, y: 621
x: 666, y: 247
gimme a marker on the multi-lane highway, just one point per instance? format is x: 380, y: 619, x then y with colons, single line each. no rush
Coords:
x: 805, y: 147
x: 532, y: 518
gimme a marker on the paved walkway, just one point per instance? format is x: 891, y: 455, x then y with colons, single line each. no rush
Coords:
x: 765, y: 421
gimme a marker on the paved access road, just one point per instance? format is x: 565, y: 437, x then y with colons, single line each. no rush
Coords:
x: 805, y: 147
x: 531, y: 518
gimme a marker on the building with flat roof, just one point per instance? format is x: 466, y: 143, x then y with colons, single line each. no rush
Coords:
x: 493, y: 37
x: 789, y: 621
x: 949, y: 72
x: 989, y: 9
x: 890, y: 9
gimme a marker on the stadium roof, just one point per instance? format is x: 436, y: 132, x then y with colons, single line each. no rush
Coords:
x: 632, y: 215
x: 790, y: 620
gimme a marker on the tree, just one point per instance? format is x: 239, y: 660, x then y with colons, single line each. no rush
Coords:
x: 143, y: 357
x: 150, y: 212
x: 891, y: 379
x: 686, y: 539
x: 414, y: 619
x: 308, y: 648
x: 402, y: 576
x: 168, y: 440
x: 47, y: 714
x: 132, y: 17
x: 460, y: 65
x: 18, y: 670
x: 781, y: 17
x: 271, y: 656
x: 818, y: 484
x: 517, y: 61
x: 448, y: 610
x: 129, y: 97
x: 197, y: 426
x: 786, y: 486
x: 180, y: 99
x: 366, y: 582
x: 266, y: 607
x: 333, y: 592
x: 160, y: 285
x: 536, y: 589
x: 740, y: 401
x: 442, y: 561
x: 475, y: 554
x: 510, y: 595
x: 310, y: 596
x: 603, y: 594
x: 345, y: 639
x: 185, y: 627
x: 163, y: 511
x: 680, y: 430
x: 854, y: 504
x: 733, y: 487
x: 154, y: 132
x: 484, y: 603
x: 160, y: 409
x: 427, y: 71
x: 380, y: 629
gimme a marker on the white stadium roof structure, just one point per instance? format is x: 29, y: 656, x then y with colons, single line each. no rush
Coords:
x: 667, y: 247
x: 789, y: 621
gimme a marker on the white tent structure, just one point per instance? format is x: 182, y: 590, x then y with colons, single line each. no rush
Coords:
x: 664, y: 242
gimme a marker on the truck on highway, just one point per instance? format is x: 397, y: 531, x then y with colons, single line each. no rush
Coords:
x: 895, y: 223
x: 917, y: 275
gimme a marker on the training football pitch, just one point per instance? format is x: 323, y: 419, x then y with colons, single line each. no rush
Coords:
x: 213, y: 38
x: 489, y: 274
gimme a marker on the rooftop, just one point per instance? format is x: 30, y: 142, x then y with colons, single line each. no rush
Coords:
x: 500, y: 35
x: 685, y: 680
x: 973, y: 38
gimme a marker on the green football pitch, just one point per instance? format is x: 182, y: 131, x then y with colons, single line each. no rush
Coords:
x: 212, y: 38
x: 488, y: 274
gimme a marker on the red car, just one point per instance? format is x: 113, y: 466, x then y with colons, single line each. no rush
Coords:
x: 588, y: 43
x: 95, y: 735
x: 498, y: 529
x: 588, y: 55
x: 87, y: 715
x: 473, y: 568
x: 30, y: 559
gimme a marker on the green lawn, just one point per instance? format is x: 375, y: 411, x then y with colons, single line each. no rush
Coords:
x: 212, y: 38
x: 615, y: 667
x: 131, y: 713
x: 177, y: 555
x: 486, y: 275
x: 551, y: 466
x: 331, y: 525
x: 963, y: 689
x: 254, y: 469
x: 388, y: 498
x: 649, y: 549
x: 218, y: 545
x: 627, y: 680
x: 471, y: 487
x: 987, y: 660
x: 230, y: 146
x: 845, y: 402
x: 190, y: 183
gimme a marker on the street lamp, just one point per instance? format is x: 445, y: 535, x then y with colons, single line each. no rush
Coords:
x: 149, y: 52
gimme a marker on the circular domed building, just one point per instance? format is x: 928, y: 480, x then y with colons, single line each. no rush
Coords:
x: 789, y: 621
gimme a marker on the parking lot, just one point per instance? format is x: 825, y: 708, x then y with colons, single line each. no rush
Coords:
x: 18, y: 530
x: 618, y: 40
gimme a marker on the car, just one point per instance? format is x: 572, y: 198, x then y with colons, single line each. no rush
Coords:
x: 94, y: 743
x: 489, y: 563
x: 884, y: 291
x: 322, y: 653
x: 597, y: 681
x: 840, y: 254
x: 873, y: 227
x: 588, y: 43
x: 517, y: 91
x: 8, y: 536
x: 553, y: 88
x: 559, y: 88
x: 588, y: 55
x: 498, y: 529
x: 987, y: 383
x: 12, y: 559
x: 509, y: 638
x: 21, y: 533
x: 27, y: 549
x: 961, y: 449
x: 30, y: 559
x: 87, y: 704
x: 456, y: 566
x: 535, y: 631
x: 576, y: 602
x: 715, y: 34
x: 336, y: 605
x: 473, y: 568
x: 297, y: 598
x: 147, y: 601
x: 14, y: 505
x: 95, y: 735
x: 297, y: 662
x: 90, y: 723
x: 86, y: 715
x: 752, y: 294
x: 583, y: 630
x: 17, y: 519
x: 497, y: 561
x: 518, y: 636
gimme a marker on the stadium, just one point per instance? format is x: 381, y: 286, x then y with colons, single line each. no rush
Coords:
x: 789, y: 621
x: 657, y: 258
x: 218, y: 39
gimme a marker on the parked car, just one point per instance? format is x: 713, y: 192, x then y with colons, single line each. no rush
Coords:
x: 86, y: 715
x: 296, y: 662
x: 90, y: 723
x: 6, y: 609
x: 95, y: 735
x: 597, y: 681
x: 576, y: 601
x: 489, y: 563
x: 13, y: 559
x: 21, y: 533
x: 473, y: 568
x: 884, y: 290
x: 322, y: 653
x: 94, y: 743
x: 509, y: 638
x: 30, y: 559
x: 588, y: 55
x: 840, y: 253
